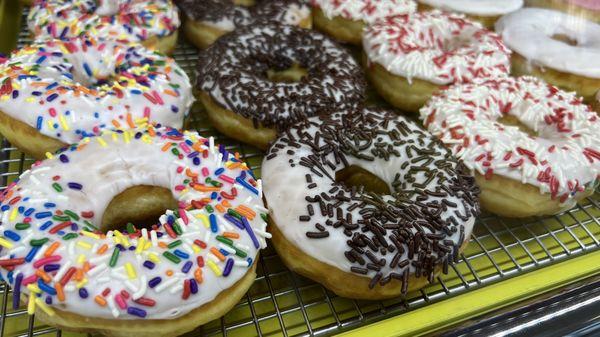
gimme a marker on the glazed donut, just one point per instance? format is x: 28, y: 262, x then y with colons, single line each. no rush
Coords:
x: 364, y: 237
x: 587, y: 9
x: 534, y: 149
x: 56, y: 92
x: 64, y: 254
x: 153, y: 23
x: 346, y: 20
x: 408, y: 58
x: 260, y: 79
x: 561, y: 49
x: 486, y: 12
x: 207, y: 20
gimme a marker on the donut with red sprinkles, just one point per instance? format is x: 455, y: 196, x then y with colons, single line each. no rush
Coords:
x: 535, y: 149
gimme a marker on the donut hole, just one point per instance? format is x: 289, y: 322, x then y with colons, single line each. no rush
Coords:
x: 293, y: 74
x: 359, y: 177
x: 455, y: 43
x: 511, y: 120
x: 140, y: 205
x: 566, y: 39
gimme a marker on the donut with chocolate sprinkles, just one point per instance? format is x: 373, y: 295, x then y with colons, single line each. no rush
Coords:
x: 260, y: 79
x: 207, y: 20
x: 367, y: 203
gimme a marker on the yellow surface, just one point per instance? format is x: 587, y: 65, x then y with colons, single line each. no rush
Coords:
x: 480, y: 301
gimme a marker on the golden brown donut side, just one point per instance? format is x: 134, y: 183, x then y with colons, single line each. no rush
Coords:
x: 26, y: 138
x: 339, y: 28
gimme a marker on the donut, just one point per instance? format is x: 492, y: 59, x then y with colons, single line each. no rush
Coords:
x: 152, y: 23
x: 207, y: 20
x: 367, y: 203
x: 596, y: 102
x: 486, y: 12
x: 345, y: 20
x: 561, y: 49
x: 587, y: 9
x: 534, y: 149
x: 260, y: 79
x: 408, y: 58
x: 54, y: 93
x: 68, y: 254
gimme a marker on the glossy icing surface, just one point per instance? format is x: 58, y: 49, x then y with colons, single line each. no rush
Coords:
x: 367, y: 11
x: 561, y: 158
x: 420, y: 225
x: 132, y: 20
x: 71, y: 89
x: 441, y: 48
x: 530, y: 32
x: 476, y: 7
x: 55, y: 250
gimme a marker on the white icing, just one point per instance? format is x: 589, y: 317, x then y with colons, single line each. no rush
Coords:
x: 529, y: 32
x: 105, y: 169
x: 367, y: 11
x: 477, y: 7
x: 286, y: 188
x: 133, y: 20
x: 438, y: 47
x: 464, y: 115
x: 84, y: 106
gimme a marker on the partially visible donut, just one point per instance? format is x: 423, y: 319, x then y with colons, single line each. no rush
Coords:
x: 152, y: 23
x: 345, y: 20
x: 534, y: 149
x: 394, y: 236
x: 586, y: 9
x: 563, y: 50
x: 207, y: 20
x: 54, y: 93
x: 245, y: 103
x: 67, y: 252
x: 487, y: 12
x: 409, y: 57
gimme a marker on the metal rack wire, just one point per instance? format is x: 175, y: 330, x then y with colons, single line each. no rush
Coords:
x: 282, y: 303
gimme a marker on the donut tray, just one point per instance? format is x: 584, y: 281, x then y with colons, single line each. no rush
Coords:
x: 282, y: 303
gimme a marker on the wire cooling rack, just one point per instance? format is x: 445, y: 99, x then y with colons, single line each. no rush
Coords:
x: 282, y: 303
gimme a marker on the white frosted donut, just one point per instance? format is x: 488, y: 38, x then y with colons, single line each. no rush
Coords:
x: 366, y: 11
x: 52, y: 228
x: 529, y: 32
x: 71, y: 89
x: 438, y: 47
x: 562, y: 159
x: 476, y: 7
x: 418, y: 227
x: 132, y: 20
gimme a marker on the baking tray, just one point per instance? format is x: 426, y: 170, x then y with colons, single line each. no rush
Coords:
x: 507, y: 260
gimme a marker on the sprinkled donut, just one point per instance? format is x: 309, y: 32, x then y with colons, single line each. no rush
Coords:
x: 345, y: 20
x: 56, y: 92
x: 410, y: 57
x: 562, y: 49
x: 189, y: 268
x: 535, y: 149
x: 153, y: 23
x: 208, y: 20
x: 487, y: 12
x: 361, y: 243
x: 262, y: 78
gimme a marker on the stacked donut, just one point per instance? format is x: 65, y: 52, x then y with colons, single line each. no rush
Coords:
x: 361, y: 199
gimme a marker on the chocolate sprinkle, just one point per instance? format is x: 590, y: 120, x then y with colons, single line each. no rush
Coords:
x: 233, y: 71
x: 416, y: 228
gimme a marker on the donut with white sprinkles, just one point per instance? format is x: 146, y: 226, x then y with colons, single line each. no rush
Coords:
x: 363, y: 243
x: 535, y: 149
x: 243, y: 102
x: 410, y: 57
x: 152, y: 23
x: 207, y: 20
x: 189, y: 268
x: 56, y: 92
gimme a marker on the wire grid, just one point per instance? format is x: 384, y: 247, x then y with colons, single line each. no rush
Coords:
x: 282, y: 303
